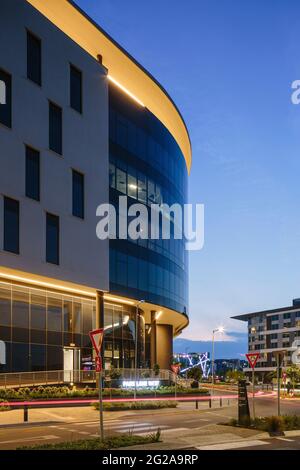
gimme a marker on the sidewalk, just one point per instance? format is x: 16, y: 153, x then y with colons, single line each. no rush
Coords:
x: 212, y: 437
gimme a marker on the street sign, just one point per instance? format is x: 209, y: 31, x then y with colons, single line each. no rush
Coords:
x: 252, y: 359
x: 175, y: 368
x: 243, y: 404
x: 284, y: 376
x: 98, y: 364
x: 96, y: 338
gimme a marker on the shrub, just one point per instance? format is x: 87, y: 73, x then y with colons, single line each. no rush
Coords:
x: 274, y: 424
x: 195, y: 384
x: 233, y: 422
x: 113, y: 442
x: 67, y: 392
x: 4, y: 407
x: 138, y: 405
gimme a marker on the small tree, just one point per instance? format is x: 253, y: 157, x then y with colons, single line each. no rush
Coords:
x: 269, y: 376
x: 156, y: 369
x: 293, y: 373
x: 234, y: 375
x: 194, y: 373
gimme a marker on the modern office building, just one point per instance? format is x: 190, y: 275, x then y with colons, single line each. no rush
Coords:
x: 271, y: 331
x: 83, y: 123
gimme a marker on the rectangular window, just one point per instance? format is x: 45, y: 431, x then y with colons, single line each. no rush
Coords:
x: 131, y: 183
x: 55, y: 128
x: 112, y: 175
x: 78, y: 194
x: 5, y: 98
x: 52, y: 238
x: 75, y: 89
x: 121, y: 181
x: 32, y: 183
x: 11, y: 225
x: 34, y: 59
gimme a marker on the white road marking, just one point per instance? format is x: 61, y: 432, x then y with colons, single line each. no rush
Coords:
x: 195, y: 420
x: 285, y: 439
x: 29, y: 439
x: 58, y: 417
x: 174, y: 429
x: 233, y: 445
x: 108, y: 423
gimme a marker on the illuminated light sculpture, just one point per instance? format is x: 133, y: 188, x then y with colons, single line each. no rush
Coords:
x: 196, y: 360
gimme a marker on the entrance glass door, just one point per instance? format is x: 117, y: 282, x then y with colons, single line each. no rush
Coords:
x: 71, y: 365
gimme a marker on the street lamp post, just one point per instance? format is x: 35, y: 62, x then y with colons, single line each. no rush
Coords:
x: 136, y: 341
x: 217, y: 330
x: 279, y: 358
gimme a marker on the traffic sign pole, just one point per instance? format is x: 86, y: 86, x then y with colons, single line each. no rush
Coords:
x: 253, y: 394
x: 252, y: 359
x: 101, y: 407
x: 96, y: 338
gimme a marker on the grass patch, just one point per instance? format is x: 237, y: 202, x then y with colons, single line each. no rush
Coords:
x: 113, y: 442
x: 270, y: 424
x: 137, y: 405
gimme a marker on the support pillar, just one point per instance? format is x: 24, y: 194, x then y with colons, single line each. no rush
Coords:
x: 153, y: 355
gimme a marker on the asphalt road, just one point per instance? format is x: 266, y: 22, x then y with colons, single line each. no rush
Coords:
x: 53, y: 425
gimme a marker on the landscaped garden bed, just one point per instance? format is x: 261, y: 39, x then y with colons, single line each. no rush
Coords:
x: 139, y: 405
x: 40, y: 393
x: 113, y: 442
x: 271, y: 424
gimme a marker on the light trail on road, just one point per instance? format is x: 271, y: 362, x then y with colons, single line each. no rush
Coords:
x: 126, y: 400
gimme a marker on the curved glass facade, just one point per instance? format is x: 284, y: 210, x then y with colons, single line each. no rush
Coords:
x: 146, y: 165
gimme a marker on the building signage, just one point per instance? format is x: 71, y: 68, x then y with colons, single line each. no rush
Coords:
x: 141, y: 383
x: 243, y: 404
x: 2, y: 353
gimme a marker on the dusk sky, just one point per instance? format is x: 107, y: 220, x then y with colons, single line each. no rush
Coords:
x: 229, y: 66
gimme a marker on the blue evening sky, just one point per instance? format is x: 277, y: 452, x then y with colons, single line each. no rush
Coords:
x: 229, y: 65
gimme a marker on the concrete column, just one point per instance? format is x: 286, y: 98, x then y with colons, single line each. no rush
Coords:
x: 153, y: 356
x: 164, y: 345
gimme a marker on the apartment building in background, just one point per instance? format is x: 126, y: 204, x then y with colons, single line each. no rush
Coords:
x: 271, y: 331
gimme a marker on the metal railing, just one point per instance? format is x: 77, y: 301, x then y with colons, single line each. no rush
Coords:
x: 60, y: 377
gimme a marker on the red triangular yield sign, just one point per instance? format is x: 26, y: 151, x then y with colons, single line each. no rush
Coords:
x: 252, y: 359
x: 96, y: 338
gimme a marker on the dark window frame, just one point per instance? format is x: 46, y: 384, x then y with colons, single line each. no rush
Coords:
x: 27, y: 192
x: 76, y: 70
x: 30, y: 74
x: 81, y: 213
x: 58, y: 149
x: 6, y: 247
x: 49, y: 258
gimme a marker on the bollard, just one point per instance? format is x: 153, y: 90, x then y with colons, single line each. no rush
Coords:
x: 197, y: 405
x: 228, y: 402
x: 220, y: 402
x: 25, y: 413
x: 209, y: 401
